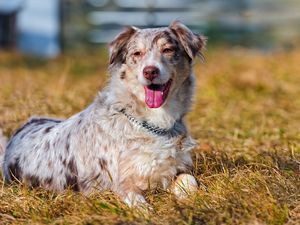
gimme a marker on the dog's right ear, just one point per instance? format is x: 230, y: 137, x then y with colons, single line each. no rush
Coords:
x: 117, y: 46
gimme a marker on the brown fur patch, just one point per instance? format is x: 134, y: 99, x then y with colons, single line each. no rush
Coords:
x: 72, y: 166
x: 165, y: 35
x: 123, y: 75
x: 50, y: 165
x: 32, y: 180
x: 72, y: 182
x: 48, y: 181
x: 179, y: 143
x: 103, y: 164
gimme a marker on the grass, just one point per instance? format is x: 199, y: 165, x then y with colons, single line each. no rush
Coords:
x: 246, y: 117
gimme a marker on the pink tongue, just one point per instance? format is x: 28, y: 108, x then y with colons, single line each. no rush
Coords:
x: 154, y: 98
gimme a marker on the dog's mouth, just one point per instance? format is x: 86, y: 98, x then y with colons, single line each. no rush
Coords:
x: 156, y: 94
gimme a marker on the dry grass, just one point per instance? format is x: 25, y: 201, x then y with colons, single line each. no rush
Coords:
x: 246, y: 117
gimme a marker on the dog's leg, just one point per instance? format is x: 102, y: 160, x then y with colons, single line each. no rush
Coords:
x: 136, y: 200
x: 133, y: 199
x: 184, y: 186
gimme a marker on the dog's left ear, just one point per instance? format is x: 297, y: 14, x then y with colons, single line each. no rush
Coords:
x: 192, y: 43
x: 117, y: 46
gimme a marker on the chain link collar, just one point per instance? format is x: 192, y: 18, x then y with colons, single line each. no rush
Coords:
x: 177, y: 129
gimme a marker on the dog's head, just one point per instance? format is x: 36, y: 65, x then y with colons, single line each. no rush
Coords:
x: 154, y: 63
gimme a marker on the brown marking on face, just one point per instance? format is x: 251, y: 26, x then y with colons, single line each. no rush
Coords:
x: 169, y: 47
x: 134, y: 59
x: 162, y: 35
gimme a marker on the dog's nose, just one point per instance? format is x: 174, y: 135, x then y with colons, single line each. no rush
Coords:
x: 150, y: 72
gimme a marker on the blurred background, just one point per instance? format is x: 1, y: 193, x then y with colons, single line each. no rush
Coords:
x: 50, y: 27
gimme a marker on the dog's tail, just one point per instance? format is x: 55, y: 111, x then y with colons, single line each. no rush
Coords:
x: 3, y: 141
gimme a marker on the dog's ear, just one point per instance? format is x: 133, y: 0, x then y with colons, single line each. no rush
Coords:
x: 192, y: 43
x: 117, y: 46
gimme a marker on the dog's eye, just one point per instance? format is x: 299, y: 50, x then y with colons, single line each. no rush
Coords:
x: 137, y: 53
x: 168, y: 50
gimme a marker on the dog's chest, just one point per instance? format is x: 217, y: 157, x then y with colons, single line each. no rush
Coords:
x: 150, y: 162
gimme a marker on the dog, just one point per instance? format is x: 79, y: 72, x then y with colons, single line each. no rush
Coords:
x: 133, y: 137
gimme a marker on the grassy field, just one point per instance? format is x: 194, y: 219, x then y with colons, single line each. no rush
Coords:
x: 246, y: 118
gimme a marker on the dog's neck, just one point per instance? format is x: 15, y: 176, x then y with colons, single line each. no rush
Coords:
x: 177, y: 129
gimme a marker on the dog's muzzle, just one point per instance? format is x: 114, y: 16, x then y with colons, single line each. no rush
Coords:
x: 156, y: 94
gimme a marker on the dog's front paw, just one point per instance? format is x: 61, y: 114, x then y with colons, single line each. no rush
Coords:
x: 137, y: 201
x: 134, y: 199
x: 184, y: 186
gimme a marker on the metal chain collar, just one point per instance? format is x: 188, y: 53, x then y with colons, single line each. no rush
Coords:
x: 177, y: 129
